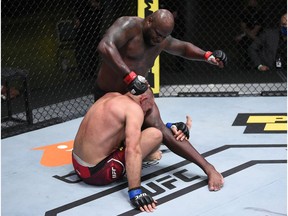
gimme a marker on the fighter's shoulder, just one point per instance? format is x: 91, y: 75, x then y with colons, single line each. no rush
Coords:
x: 129, y: 21
x: 130, y: 104
x: 121, y: 99
x: 110, y: 95
x: 169, y: 41
x: 116, y: 101
x: 125, y: 105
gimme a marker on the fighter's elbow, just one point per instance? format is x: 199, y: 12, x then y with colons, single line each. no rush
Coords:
x: 101, y: 47
x: 106, y: 49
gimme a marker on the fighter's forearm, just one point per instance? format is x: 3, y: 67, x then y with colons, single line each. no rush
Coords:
x: 133, y: 163
x: 193, y: 52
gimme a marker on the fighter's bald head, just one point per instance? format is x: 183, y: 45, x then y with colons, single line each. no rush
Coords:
x: 158, y: 26
x: 163, y: 19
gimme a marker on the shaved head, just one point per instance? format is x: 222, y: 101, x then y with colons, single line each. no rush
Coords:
x: 157, y: 26
x: 163, y: 19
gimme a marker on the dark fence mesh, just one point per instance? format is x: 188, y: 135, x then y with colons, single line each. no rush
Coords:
x: 49, y: 59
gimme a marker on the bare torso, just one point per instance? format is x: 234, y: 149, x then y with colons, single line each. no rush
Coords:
x: 100, y: 134
x: 135, y: 53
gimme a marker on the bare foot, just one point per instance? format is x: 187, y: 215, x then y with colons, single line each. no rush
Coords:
x: 215, y: 181
x: 157, y: 155
x: 189, y: 121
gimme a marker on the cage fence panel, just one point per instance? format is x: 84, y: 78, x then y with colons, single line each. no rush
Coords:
x: 54, y: 43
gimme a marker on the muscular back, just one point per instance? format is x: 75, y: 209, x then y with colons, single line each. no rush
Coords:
x: 103, y: 127
x: 124, y: 50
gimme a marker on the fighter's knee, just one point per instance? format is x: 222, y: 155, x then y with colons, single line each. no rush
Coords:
x: 157, y: 134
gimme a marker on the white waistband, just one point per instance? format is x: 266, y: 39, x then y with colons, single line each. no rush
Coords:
x: 80, y: 161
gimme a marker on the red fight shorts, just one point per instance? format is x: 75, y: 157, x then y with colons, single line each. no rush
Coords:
x: 105, y: 172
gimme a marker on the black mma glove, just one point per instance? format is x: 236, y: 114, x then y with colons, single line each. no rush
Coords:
x: 180, y: 126
x: 138, y: 198
x: 217, y: 54
x: 136, y: 84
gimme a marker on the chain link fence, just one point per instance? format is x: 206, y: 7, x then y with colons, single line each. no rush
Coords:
x: 49, y: 58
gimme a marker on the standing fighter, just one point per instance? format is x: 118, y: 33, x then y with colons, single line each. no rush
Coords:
x: 129, y: 49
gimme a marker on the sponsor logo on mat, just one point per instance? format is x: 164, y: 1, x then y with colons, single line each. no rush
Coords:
x: 262, y: 122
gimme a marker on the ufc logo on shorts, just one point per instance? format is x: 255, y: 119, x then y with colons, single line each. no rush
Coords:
x: 113, y: 172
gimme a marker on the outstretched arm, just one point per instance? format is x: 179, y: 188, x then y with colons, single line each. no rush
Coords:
x: 190, y: 51
x: 184, y: 149
x: 184, y: 49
